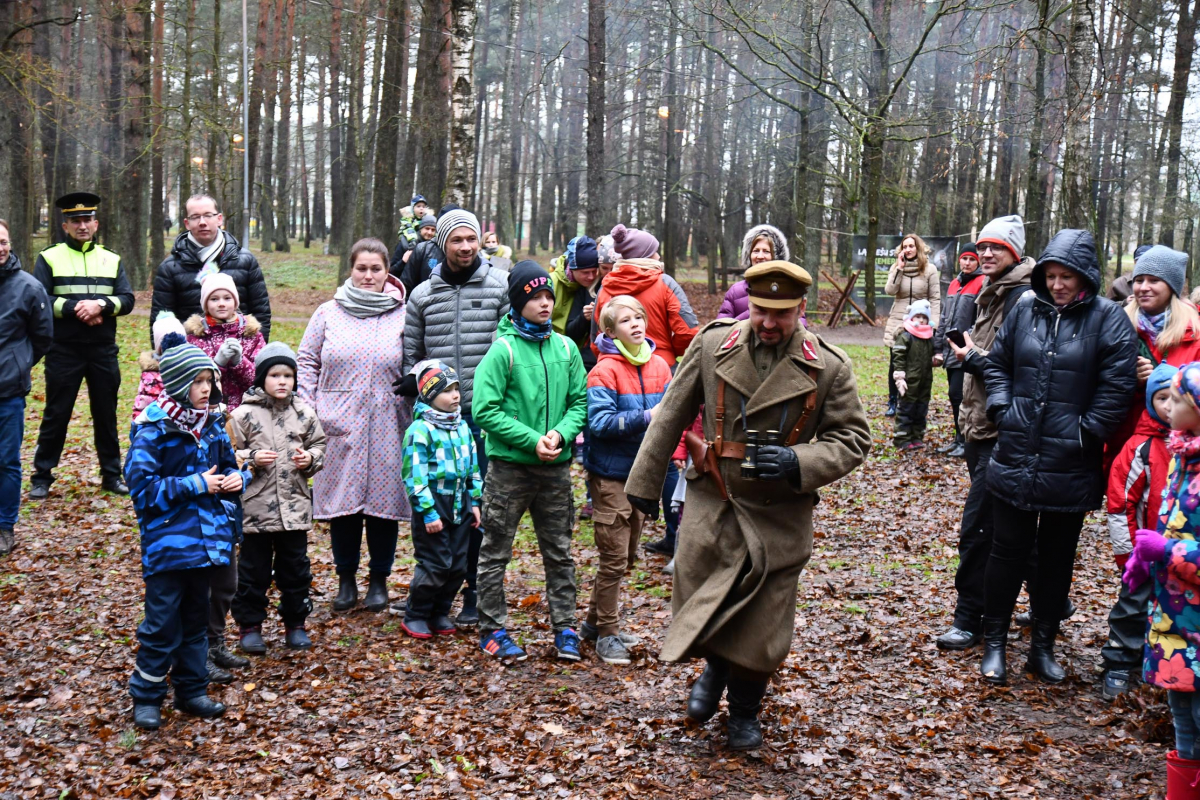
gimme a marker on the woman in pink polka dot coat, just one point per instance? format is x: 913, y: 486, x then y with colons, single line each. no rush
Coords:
x: 348, y: 359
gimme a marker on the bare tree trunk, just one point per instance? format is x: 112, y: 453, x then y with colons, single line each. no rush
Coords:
x: 1185, y: 48
x: 158, y: 200
x: 395, y: 75
x: 1035, y: 192
x: 1081, y: 55
x: 509, y: 132
x: 283, y: 158
x: 319, y: 228
x: 337, y: 217
x: 258, y: 80
x: 18, y: 125
x: 599, y: 216
x: 132, y: 194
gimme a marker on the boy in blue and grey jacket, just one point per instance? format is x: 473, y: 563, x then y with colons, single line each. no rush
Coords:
x: 180, y: 464
x: 441, y: 476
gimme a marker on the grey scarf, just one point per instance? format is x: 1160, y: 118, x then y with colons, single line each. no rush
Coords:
x: 210, y: 253
x: 363, y: 303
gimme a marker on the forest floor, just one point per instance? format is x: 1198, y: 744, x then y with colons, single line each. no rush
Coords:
x: 864, y: 707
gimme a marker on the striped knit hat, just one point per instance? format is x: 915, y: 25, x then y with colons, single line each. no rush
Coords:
x: 458, y: 218
x: 179, y: 365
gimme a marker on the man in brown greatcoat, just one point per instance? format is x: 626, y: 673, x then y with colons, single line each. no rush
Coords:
x: 738, y: 560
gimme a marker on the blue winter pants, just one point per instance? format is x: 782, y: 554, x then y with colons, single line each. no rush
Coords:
x: 1185, y: 713
x: 173, y: 638
x: 12, y: 428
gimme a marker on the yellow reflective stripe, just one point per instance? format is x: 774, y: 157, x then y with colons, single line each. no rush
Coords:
x: 82, y: 288
x: 58, y: 306
x: 116, y: 303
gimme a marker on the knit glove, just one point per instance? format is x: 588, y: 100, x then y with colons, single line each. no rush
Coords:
x: 1151, y: 546
x: 230, y: 354
x: 901, y: 383
x: 1137, y: 572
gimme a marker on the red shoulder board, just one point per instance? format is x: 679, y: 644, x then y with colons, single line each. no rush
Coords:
x: 732, y: 340
x: 810, y: 350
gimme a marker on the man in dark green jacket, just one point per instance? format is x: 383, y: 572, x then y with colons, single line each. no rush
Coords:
x: 89, y: 290
x: 530, y: 399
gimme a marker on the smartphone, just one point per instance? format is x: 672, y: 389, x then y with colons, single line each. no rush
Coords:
x: 956, y: 336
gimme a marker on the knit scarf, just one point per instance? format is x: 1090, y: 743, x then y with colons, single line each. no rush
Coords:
x: 446, y: 420
x: 208, y: 256
x: 188, y: 420
x: 638, y: 357
x: 364, y: 303
x: 1182, y: 443
x: 1153, y: 324
x: 919, y: 331
x: 530, y: 331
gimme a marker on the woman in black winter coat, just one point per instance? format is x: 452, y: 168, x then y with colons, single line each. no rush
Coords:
x: 1059, y: 380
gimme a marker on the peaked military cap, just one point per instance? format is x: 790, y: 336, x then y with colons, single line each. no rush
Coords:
x: 777, y: 284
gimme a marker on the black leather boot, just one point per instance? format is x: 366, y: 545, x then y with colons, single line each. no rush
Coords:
x: 707, y: 690
x: 377, y: 593
x: 994, y: 667
x: 1041, y: 652
x: 745, y: 701
x: 347, y: 596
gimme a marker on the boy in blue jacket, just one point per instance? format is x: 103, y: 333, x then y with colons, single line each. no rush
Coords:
x: 179, y: 465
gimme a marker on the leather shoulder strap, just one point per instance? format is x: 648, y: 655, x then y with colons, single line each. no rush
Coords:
x: 810, y: 404
x: 719, y: 417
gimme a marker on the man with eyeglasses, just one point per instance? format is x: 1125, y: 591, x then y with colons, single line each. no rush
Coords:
x: 1001, y: 248
x: 89, y: 290
x: 203, y: 249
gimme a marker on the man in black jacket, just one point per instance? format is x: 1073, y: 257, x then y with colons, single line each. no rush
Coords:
x: 26, y: 333
x: 89, y: 289
x: 202, y: 250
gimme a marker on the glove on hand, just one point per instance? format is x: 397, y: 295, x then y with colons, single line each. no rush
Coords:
x: 901, y: 382
x: 777, y: 463
x: 646, y: 505
x: 230, y: 354
x: 1150, y: 547
x: 1137, y: 572
x: 406, y: 386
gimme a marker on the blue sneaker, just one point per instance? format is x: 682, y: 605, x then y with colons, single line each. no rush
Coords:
x: 566, y: 642
x: 498, y: 644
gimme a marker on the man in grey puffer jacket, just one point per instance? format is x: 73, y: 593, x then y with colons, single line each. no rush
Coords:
x: 453, y: 317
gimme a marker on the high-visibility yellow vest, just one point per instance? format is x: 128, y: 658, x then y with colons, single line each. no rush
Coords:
x: 82, y: 274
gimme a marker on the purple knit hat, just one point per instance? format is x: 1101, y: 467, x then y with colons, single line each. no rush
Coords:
x: 633, y: 243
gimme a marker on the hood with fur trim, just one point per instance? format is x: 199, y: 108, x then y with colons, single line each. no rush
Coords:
x: 197, y: 326
x: 778, y: 243
x: 148, y: 361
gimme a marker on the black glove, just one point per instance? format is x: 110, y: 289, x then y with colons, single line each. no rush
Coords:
x: 777, y: 463
x: 646, y: 505
x: 406, y: 386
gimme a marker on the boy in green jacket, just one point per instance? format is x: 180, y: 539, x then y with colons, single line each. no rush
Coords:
x: 530, y: 399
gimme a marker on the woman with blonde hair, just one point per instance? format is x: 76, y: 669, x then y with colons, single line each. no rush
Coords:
x: 913, y: 277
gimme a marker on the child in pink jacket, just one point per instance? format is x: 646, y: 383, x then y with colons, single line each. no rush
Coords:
x: 229, y: 338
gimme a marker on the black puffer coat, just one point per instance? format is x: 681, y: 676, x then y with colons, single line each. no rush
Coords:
x: 177, y: 290
x: 26, y: 327
x: 1059, y: 382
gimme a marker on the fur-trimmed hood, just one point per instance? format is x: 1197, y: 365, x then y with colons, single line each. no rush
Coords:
x: 778, y: 244
x: 148, y: 361
x: 196, y: 326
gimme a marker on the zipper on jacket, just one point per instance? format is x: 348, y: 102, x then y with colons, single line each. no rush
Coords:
x: 546, y: 372
x: 642, y: 383
x: 458, y: 331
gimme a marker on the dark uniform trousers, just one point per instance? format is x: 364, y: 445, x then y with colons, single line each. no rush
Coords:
x: 67, y: 367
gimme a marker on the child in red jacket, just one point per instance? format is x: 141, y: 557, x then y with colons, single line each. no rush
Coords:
x: 1135, y: 488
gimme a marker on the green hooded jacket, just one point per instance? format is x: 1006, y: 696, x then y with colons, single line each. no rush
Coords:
x: 523, y: 390
x: 564, y: 294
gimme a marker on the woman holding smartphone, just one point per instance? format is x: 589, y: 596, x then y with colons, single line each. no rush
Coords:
x: 958, y: 315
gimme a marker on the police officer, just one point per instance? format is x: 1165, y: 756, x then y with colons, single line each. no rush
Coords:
x: 782, y: 418
x: 89, y: 290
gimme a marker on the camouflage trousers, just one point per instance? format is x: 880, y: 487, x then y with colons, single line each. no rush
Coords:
x: 508, y: 492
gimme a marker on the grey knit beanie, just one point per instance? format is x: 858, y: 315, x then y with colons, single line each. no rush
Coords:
x: 1008, y: 232
x: 458, y: 218
x: 272, y: 355
x: 1165, y: 264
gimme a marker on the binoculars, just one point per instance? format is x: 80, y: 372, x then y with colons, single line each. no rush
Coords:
x: 754, y: 440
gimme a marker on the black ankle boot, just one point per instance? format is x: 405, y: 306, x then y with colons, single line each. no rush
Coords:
x: 707, y: 690
x: 745, y: 701
x: 995, y: 643
x: 347, y: 596
x: 1041, y: 652
x: 377, y: 593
